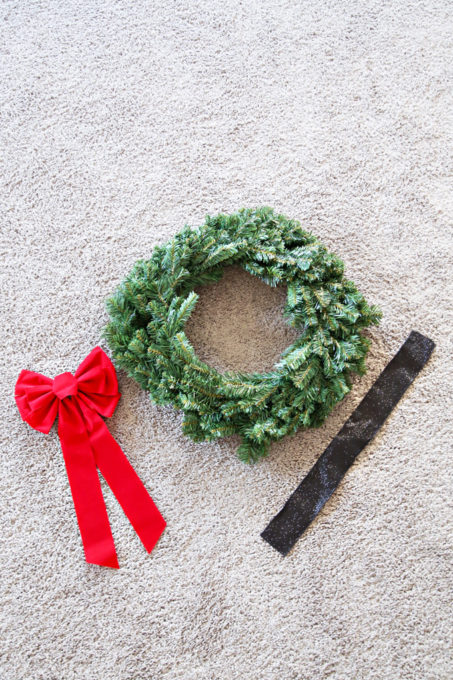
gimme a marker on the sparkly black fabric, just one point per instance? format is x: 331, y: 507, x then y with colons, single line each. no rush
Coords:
x: 322, y: 480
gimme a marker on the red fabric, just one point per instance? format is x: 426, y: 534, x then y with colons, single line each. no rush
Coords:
x: 79, y: 400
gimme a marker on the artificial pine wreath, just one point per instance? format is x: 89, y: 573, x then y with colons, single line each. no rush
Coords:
x: 151, y: 307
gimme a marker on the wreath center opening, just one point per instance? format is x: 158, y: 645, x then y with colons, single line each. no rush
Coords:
x: 238, y: 323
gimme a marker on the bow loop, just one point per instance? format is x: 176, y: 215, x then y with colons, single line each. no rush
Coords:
x: 36, y: 401
x: 97, y: 383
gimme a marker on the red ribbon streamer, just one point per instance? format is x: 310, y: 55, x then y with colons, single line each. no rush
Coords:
x: 79, y: 400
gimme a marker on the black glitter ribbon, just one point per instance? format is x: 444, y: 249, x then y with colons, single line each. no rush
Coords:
x: 316, y: 488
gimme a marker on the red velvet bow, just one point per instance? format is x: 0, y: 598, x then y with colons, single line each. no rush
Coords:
x: 80, y: 400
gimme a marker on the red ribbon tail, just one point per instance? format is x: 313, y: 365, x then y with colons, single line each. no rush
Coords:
x: 87, y: 495
x: 127, y: 486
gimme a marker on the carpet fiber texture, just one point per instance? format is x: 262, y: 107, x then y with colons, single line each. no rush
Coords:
x: 121, y: 122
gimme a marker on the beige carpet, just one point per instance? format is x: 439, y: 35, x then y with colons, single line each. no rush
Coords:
x: 121, y: 121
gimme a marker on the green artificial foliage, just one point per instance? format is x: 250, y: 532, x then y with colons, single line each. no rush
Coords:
x: 151, y: 307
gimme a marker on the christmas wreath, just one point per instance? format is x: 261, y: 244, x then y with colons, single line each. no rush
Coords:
x: 151, y: 307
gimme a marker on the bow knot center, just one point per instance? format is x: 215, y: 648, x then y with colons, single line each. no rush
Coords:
x: 64, y: 385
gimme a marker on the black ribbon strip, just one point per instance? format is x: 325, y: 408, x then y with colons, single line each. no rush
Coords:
x: 316, y: 488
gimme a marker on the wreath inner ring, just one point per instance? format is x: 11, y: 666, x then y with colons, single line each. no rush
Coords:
x: 150, y: 308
